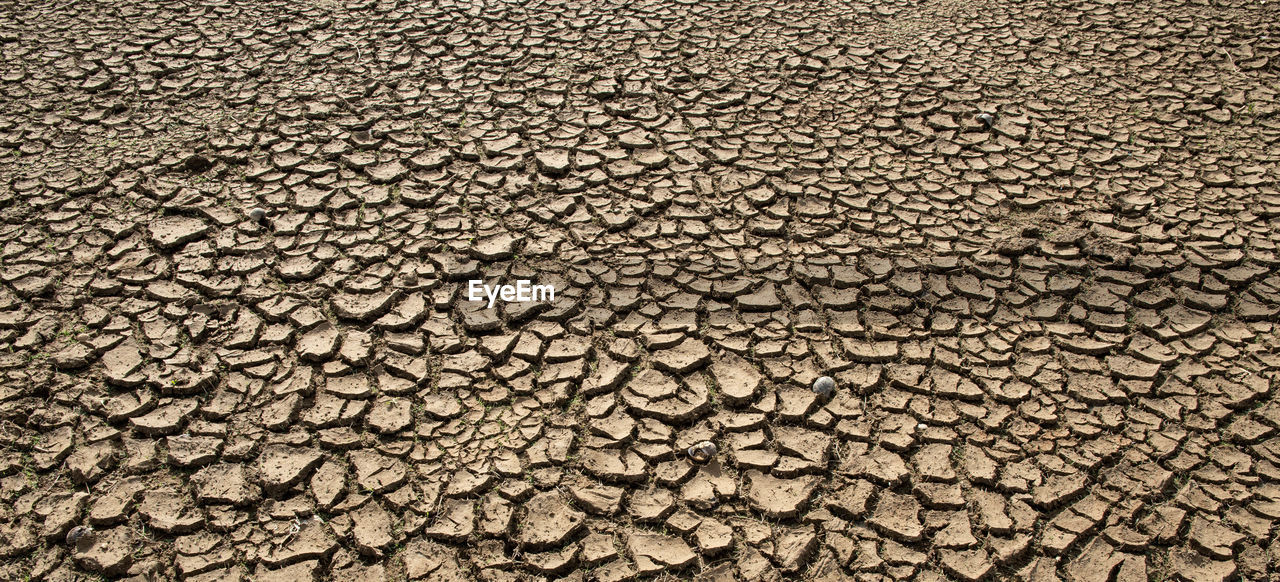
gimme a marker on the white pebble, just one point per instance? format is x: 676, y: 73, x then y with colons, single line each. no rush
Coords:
x: 703, y: 451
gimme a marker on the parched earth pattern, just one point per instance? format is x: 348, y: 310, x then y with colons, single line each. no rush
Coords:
x: 1052, y: 327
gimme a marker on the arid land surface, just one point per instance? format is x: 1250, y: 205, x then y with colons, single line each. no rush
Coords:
x: 1053, y: 329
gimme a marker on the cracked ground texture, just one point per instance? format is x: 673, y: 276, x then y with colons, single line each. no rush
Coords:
x: 1052, y: 330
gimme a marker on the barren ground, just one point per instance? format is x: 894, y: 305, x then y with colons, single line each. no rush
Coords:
x: 1052, y: 333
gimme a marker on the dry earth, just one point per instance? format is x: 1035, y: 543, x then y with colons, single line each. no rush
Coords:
x: 1054, y: 334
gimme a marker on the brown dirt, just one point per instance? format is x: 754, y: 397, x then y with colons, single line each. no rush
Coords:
x: 1053, y: 334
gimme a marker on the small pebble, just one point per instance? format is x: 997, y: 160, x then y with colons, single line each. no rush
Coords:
x: 824, y: 386
x: 258, y: 214
x: 77, y: 533
x: 703, y: 451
